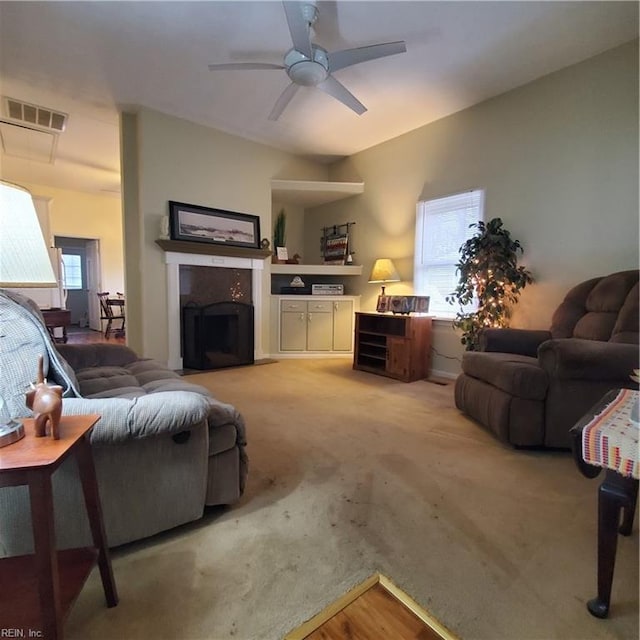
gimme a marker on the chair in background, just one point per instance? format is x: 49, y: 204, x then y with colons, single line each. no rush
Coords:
x: 112, y: 309
x: 530, y: 387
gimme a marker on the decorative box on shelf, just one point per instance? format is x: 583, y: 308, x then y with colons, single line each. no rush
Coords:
x: 403, y: 304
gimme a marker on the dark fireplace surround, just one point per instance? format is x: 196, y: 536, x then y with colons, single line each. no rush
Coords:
x: 217, y: 317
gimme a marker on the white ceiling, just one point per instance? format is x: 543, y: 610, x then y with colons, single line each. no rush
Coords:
x: 91, y: 59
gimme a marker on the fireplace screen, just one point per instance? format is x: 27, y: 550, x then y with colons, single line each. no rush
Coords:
x: 217, y: 335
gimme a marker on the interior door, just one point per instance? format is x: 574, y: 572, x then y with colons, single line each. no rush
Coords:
x: 93, y: 283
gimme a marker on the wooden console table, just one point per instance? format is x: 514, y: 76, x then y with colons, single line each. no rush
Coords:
x: 57, y: 318
x: 37, y: 591
x: 397, y: 346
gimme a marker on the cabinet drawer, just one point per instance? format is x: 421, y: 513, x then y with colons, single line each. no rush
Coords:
x: 294, y: 305
x: 321, y: 306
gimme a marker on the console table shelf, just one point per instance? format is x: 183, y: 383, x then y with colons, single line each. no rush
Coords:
x: 396, y: 346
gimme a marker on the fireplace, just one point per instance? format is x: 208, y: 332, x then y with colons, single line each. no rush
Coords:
x: 217, y: 335
x: 183, y: 289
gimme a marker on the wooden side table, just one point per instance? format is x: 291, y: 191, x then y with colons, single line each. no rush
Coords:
x: 37, y: 591
x: 617, y: 499
x: 57, y: 318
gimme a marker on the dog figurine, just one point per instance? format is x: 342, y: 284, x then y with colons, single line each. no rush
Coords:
x: 46, y: 403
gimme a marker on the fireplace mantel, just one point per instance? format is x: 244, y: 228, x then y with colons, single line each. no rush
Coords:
x: 211, y: 249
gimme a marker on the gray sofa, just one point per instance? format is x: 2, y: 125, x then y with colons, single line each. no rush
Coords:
x: 163, y: 448
x: 530, y: 387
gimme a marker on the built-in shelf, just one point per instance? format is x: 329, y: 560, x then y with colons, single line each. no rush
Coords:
x: 311, y: 193
x: 317, y: 269
x: 205, y: 248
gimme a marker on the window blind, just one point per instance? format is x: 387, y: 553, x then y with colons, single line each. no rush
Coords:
x: 442, y: 226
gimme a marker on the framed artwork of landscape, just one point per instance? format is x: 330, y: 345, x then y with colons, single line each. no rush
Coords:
x: 216, y: 226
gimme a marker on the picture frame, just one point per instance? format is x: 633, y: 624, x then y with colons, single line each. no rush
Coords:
x: 335, y: 249
x: 195, y: 223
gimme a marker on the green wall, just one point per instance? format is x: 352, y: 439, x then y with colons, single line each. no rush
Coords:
x: 558, y: 159
x: 166, y: 158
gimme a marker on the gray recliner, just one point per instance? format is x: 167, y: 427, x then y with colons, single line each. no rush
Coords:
x: 163, y: 448
x: 530, y: 387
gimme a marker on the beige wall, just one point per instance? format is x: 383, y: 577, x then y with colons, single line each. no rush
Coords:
x: 558, y: 159
x: 79, y: 214
x: 166, y: 158
x: 294, y: 230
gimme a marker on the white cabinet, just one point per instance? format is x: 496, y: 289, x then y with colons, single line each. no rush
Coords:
x: 312, y: 325
x: 306, y: 325
x: 343, y: 315
x: 319, y: 326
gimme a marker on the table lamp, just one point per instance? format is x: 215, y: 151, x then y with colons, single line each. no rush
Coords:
x: 24, y: 262
x: 384, y: 271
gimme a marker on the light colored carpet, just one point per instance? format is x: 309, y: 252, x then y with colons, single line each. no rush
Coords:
x: 350, y: 474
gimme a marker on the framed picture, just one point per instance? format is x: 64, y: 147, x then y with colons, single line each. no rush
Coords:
x: 335, y: 249
x: 216, y: 226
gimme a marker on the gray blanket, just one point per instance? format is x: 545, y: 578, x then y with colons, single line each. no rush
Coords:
x: 23, y: 338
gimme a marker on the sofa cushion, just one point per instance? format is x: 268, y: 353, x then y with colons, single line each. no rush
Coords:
x: 602, y: 308
x: 516, y: 374
x: 626, y: 329
x: 132, y: 380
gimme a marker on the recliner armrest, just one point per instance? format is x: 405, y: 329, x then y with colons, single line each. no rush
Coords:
x: 524, y: 342
x: 100, y: 354
x: 574, y: 358
x: 124, y: 419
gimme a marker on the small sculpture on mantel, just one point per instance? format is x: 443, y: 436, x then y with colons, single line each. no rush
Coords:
x: 45, y: 401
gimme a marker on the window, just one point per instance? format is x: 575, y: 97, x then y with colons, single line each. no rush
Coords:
x: 71, y: 271
x: 442, y: 226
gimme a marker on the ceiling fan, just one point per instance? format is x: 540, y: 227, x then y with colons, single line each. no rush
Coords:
x: 309, y: 65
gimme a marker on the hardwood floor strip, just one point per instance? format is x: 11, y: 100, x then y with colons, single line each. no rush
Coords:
x: 374, y: 610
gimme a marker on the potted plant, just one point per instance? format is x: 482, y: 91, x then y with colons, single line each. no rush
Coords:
x: 488, y: 272
x: 279, y: 233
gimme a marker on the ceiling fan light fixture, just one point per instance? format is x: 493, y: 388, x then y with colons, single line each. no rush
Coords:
x: 307, y: 73
x: 304, y: 71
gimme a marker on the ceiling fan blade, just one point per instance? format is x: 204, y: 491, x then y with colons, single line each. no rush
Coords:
x: 299, y: 26
x: 348, y: 57
x: 244, y: 66
x: 284, y: 99
x: 341, y: 93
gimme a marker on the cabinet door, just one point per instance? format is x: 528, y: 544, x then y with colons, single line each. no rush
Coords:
x: 342, y: 325
x: 398, y: 357
x: 293, y: 331
x: 319, y: 330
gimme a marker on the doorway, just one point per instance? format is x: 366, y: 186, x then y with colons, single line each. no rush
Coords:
x: 81, y: 279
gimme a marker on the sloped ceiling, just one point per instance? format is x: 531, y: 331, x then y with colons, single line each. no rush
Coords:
x: 91, y: 59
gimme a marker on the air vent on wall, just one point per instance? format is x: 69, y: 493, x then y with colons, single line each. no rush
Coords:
x: 33, y: 115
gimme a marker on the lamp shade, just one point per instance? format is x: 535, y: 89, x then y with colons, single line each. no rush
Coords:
x: 24, y: 259
x: 384, y: 271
